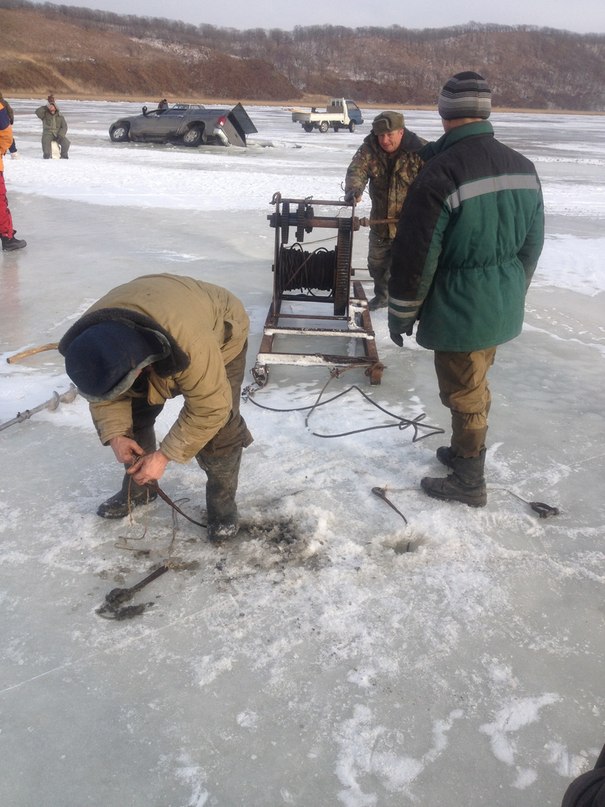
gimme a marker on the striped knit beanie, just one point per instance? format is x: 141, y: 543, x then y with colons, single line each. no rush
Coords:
x: 465, y: 95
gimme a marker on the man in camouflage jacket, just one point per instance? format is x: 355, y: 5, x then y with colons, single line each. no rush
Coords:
x: 389, y: 161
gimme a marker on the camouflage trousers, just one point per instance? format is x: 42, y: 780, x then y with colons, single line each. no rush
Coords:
x: 463, y: 388
x: 379, y: 264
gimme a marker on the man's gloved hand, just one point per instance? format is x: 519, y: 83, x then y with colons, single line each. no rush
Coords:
x: 351, y: 196
x: 399, y: 326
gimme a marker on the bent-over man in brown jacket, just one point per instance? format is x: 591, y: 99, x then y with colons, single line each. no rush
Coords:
x: 149, y: 340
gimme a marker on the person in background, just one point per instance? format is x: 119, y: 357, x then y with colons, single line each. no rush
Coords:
x: 388, y: 159
x: 588, y: 790
x: 12, y: 149
x: 468, y: 241
x: 7, y: 231
x: 54, y: 129
x: 155, y: 338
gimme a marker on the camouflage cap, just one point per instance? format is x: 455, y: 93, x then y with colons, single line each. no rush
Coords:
x: 387, y: 122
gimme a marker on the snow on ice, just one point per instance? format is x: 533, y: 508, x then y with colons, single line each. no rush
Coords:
x: 333, y: 655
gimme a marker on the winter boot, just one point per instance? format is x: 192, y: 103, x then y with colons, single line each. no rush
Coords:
x: 378, y: 302
x: 381, y: 289
x: 445, y: 455
x: 466, y: 484
x: 131, y: 495
x: 221, y: 487
x: 9, y: 244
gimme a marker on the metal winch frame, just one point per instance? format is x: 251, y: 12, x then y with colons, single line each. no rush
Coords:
x: 316, y: 280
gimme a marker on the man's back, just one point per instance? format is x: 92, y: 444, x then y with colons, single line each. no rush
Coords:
x: 470, y: 237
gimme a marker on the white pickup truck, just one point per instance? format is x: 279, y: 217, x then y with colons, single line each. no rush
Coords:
x: 340, y: 113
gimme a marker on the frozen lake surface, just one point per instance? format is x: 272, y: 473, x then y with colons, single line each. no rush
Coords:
x: 332, y: 655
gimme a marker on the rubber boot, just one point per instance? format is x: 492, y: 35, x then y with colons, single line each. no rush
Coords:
x: 378, y: 301
x: 445, y: 455
x: 131, y: 495
x: 466, y: 484
x: 221, y: 487
x: 381, y: 288
x: 10, y: 243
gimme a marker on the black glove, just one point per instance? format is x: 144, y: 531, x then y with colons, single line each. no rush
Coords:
x: 398, y: 327
x: 350, y: 196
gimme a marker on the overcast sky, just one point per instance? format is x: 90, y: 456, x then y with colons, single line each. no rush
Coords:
x: 583, y: 16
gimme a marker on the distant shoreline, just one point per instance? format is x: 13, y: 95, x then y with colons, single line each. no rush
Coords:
x: 288, y: 103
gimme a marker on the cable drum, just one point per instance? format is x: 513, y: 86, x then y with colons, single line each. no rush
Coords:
x: 305, y: 271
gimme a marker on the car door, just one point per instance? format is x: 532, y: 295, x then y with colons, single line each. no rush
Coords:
x: 160, y: 124
x: 168, y: 122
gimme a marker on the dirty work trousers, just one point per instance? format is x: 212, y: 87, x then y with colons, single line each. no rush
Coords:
x: 463, y: 388
x: 47, y: 140
x: 6, y: 222
x: 234, y: 434
x: 379, y: 264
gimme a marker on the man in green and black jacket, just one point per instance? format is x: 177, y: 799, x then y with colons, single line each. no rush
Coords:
x: 468, y: 241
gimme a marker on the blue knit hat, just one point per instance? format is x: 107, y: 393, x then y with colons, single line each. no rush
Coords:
x: 104, y: 360
x: 465, y: 95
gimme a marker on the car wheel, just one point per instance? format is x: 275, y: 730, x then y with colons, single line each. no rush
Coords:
x: 192, y: 137
x: 120, y: 132
x: 352, y: 126
x: 323, y: 126
x: 308, y: 127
